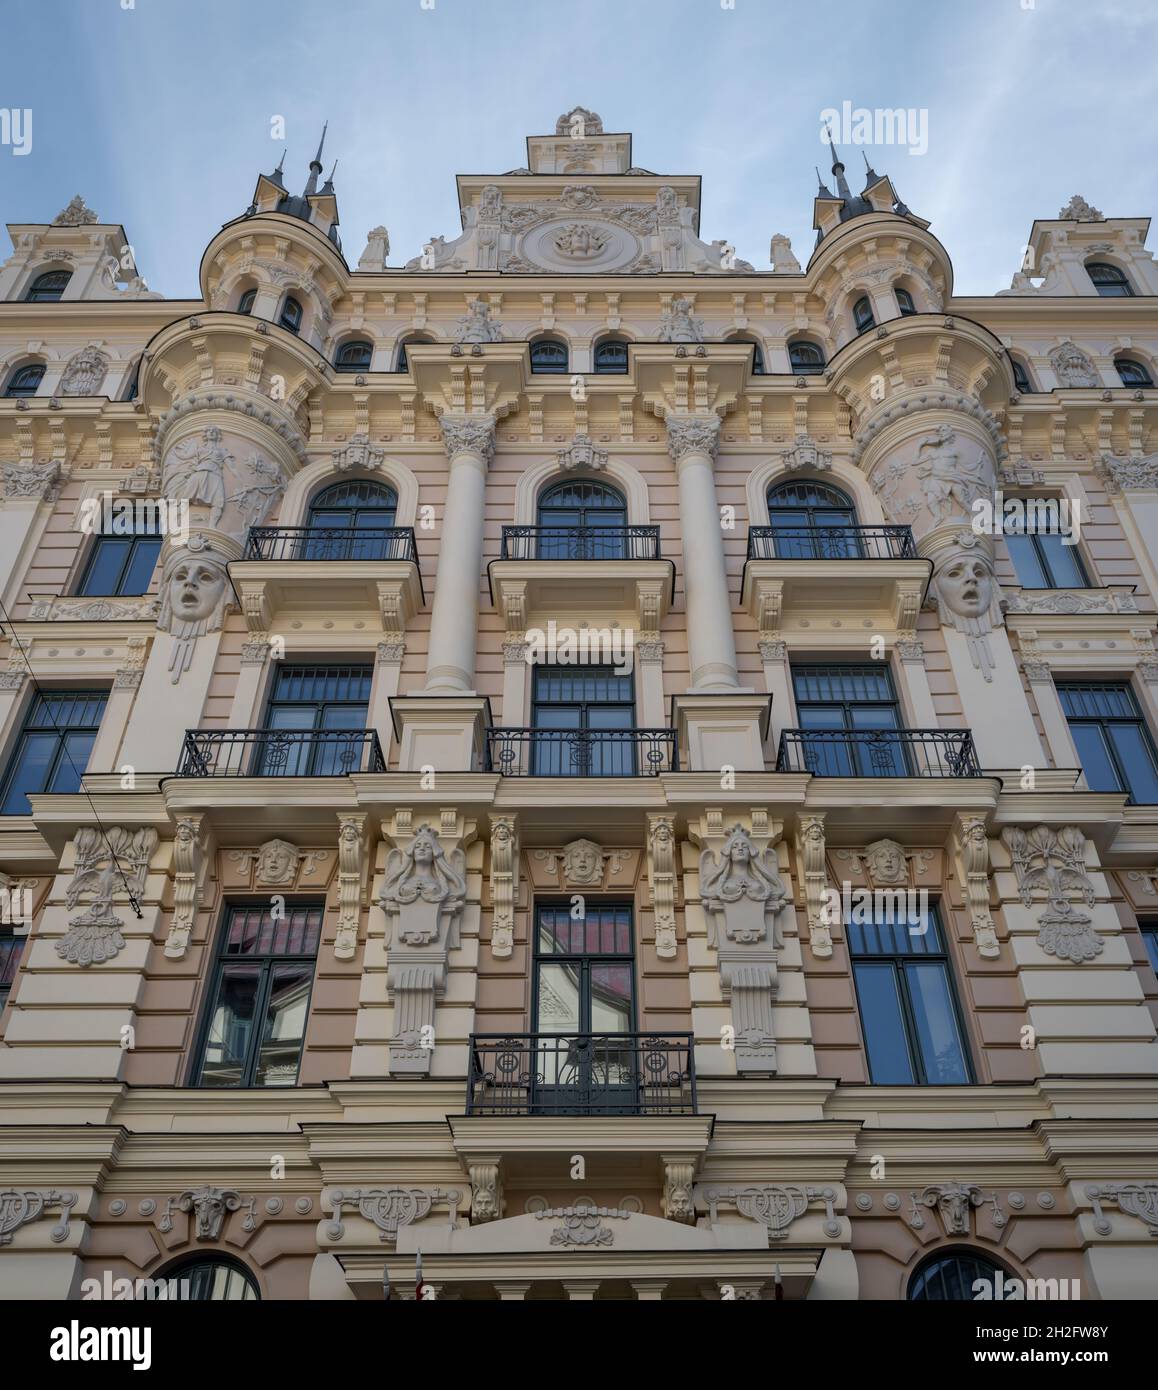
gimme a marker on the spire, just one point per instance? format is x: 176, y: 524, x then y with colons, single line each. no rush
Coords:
x: 822, y: 191
x: 328, y: 186
x: 842, y: 187
x: 316, y: 166
x: 871, y: 175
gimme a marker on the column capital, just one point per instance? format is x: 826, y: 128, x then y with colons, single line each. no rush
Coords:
x: 469, y: 434
x: 692, y: 434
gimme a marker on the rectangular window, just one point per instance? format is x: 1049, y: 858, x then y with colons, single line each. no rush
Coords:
x: 1150, y: 937
x: 1113, y: 742
x: 579, y: 708
x: 121, y: 565
x: 583, y: 991
x: 849, y: 701
x: 908, y: 1009
x: 54, y: 746
x: 1043, y: 560
x: 261, y: 996
x: 11, y: 946
x: 316, y: 699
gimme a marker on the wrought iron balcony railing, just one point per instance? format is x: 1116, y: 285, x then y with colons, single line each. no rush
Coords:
x: 331, y: 543
x: 831, y: 543
x: 878, y: 752
x: 519, y: 752
x: 580, y: 543
x: 581, y: 1074
x: 280, y: 753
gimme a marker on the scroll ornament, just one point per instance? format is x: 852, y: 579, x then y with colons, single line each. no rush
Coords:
x: 1053, y: 861
x: 106, y: 863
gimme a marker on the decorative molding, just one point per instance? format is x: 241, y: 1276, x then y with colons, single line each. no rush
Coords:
x: 885, y: 863
x: 775, y: 1206
x: 76, y: 214
x: 1078, y: 210
x: 93, y: 610
x: 277, y: 862
x: 582, y: 452
x: 1073, y: 367
x: 661, y: 878
x: 1127, y: 474
x: 22, y: 1206
x: 85, y: 373
x: 40, y: 480
x: 806, y: 453
x: 189, y: 857
x: 504, y: 884
x: 107, y: 862
x: 469, y: 434
x: 584, y: 862
x: 954, y: 1201
x: 810, y: 856
x: 1138, y: 1199
x: 359, y: 453
x: 477, y: 326
x: 390, y: 1208
x: 679, y: 1175
x: 692, y: 434
x: 971, y: 846
x: 210, y: 1206
x: 486, y: 1190
x: 1053, y: 861
x: 353, y: 860
x: 582, y: 1225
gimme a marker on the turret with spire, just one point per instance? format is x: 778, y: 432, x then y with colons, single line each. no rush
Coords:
x: 832, y: 209
x: 319, y: 207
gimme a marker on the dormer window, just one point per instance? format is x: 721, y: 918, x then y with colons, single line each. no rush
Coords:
x: 48, y: 288
x: 904, y: 301
x: 245, y: 303
x: 862, y: 314
x: 354, y: 357
x: 1132, y: 372
x: 291, y: 314
x: 548, y: 355
x: 1109, y: 281
x: 806, y: 359
x: 1021, y: 379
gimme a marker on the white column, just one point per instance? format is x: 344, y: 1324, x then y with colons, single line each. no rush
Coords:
x: 692, y: 441
x: 470, y: 445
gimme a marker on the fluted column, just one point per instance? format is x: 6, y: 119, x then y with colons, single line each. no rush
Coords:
x: 692, y: 441
x: 470, y: 445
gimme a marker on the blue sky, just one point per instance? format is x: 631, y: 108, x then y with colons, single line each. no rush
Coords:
x: 160, y: 114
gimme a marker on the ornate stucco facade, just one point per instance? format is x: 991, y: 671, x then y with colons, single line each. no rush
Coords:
x: 680, y: 1093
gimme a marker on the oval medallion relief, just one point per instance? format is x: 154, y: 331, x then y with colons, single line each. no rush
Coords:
x: 577, y: 243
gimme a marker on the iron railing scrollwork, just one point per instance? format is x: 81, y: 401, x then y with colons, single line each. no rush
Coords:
x: 878, y: 752
x: 523, y: 752
x: 315, y: 543
x: 280, y: 753
x: 580, y: 543
x: 831, y: 543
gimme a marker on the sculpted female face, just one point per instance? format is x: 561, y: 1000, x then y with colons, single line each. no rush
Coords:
x: 195, y: 589
x: 966, y: 586
x: 738, y: 851
x: 423, y: 850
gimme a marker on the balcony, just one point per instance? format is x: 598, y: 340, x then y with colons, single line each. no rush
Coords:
x: 280, y: 753
x: 522, y: 752
x: 878, y: 753
x: 796, y: 578
x: 591, y: 573
x: 581, y: 1074
x: 323, y: 572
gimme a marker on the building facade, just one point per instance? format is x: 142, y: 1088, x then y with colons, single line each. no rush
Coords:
x: 631, y: 775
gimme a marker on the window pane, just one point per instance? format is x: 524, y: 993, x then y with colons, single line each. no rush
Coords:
x: 558, y: 1010
x: 1150, y: 937
x: 108, y: 560
x: 30, y: 774
x: 141, y: 567
x: 1030, y: 574
x: 1136, y: 760
x: 231, y: 1027
x: 73, y: 762
x: 610, y: 999
x: 1101, y: 775
x: 877, y: 988
x: 936, y: 1023
x: 285, y: 1026
x: 1065, y: 567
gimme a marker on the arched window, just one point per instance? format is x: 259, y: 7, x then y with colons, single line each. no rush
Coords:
x: 949, y: 1278
x: 904, y: 301
x: 353, y: 520
x: 811, y: 521
x: 134, y: 382
x: 862, y: 314
x: 611, y: 356
x: 1020, y: 377
x: 549, y: 355
x: 291, y: 314
x: 245, y: 303
x: 354, y: 357
x: 1109, y: 281
x: 403, y: 364
x: 208, y: 1278
x: 1132, y: 372
x: 25, y: 381
x: 581, y: 519
x: 806, y: 358
x: 48, y: 288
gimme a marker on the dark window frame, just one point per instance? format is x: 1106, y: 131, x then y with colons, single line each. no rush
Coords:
x: 138, y: 540
x: 545, y: 367
x: 11, y: 951
x: 1144, y: 381
x: 861, y: 323
x: 978, y: 1264
x: 797, y: 351
x: 291, y: 315
x: 246, y: 302
x: 904, y: 301
x: 359, y: 366
x: 1148, y: 927
x: 42, y: 701
x: 1021, y: 379
x: 190, y: 1267
x: 312, y: 756
x: 584, y: 958
x: 854, y: 751
x: 16, y: 389
x: 943, y: 956
x: 1042, y: 559
x: 266, y: 961
x: 39, y: 292
x: 1136, y: 719
x: 615, y: 368
x: 1109, y: 276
